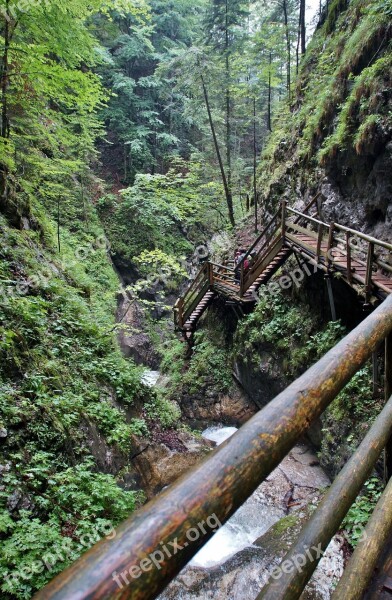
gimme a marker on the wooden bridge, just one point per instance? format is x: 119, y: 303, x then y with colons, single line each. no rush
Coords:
x: 363, y: 262
x: 132, y: 564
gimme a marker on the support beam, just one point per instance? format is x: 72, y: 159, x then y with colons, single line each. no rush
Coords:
x: 331, y: 298
x: 360, y: 569
x: 376, y: 374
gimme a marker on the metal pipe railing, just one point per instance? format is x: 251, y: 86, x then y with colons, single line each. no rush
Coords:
x: 326, y: 520
x: 219, y: 485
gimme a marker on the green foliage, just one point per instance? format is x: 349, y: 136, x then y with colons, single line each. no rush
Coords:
x: 362, y: 509
x: 208, y: 367
x: 164, y: 213
x: 348, y: 62
x: 62, y: 378
x: 163, y: 410
x: 348, y: 418
x: 84, y: 506
x: 334, y: 11
x: 144, y: 116
x: 285, y: 328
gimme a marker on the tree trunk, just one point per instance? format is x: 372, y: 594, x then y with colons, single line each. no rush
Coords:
x: 269, y: 111
x: 229, y: 197
x: 4, y: 76
x: 255, y: 162
x: 228, y: 118
x: 303, y: 26
x: 298, y: 37
x: 288, y: 42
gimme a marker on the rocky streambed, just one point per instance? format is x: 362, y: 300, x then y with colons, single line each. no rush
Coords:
x: 239, y: 559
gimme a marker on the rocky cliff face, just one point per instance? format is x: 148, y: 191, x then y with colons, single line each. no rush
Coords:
x: 335, y: 139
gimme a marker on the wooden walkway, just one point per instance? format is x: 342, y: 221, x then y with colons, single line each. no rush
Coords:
x: 363, y: 262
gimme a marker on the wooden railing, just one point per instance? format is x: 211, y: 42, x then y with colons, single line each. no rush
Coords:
x: 185, y: 305
x: 360, y: 257
x: 123, y: 566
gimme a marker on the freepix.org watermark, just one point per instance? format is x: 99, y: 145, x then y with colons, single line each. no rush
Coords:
x: 166, y: 551
x: 298, y: 562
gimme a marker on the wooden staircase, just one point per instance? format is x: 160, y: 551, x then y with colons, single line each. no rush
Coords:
x: 363, y: 262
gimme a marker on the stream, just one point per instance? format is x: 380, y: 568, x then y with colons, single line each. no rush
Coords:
x: 249, y: 522
x: 236, y: 562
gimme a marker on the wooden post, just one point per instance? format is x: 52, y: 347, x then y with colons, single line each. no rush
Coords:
x: 376, y: 378
x: 330, y: 244
x: 369, y: 272
x: 349, y: 263
x: 319, y: 241
x: 331, y: 298
x: 181, y: 313
x: 284, y: 205
x: 210, y: 273
x: 388, y: 392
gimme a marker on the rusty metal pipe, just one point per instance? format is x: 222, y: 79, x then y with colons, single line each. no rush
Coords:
x: 221, y: 483
x: 360, y: 570
x: 314, y: 538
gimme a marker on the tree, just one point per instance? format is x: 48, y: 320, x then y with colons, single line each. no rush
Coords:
x: 226, y: 32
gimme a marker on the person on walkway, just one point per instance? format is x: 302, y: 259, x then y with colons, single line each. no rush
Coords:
x: 241, y: 260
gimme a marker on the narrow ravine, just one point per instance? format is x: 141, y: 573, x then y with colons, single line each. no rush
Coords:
x: 237, y: 561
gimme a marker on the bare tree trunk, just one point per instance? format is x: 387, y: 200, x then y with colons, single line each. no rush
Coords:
x: 298, y: 37
x: 288, y: 42
x: 228, y: 117
x: 229, y: 197
x: 269, y: 111
x: 303, y: 26
x: 4, y: 76
x: 255, y: 162
x: 9, y: 28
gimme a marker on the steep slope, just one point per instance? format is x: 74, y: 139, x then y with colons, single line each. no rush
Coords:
x: 65, y: 439
x: 335, y: 138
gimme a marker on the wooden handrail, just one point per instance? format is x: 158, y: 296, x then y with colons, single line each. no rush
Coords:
x: 330, y: 250
x: 224, y: 480
x: 364, y: 236
x: 262, y: 234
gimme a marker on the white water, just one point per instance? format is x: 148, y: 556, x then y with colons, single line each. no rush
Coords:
x: 150, y: 378
x: 219, y: 434
x: 250, y: 522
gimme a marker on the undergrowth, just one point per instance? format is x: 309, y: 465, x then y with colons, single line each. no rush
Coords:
x: 62, y: 378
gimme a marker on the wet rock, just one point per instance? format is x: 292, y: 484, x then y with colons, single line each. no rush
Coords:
x: 204, y: 407
x: 262, y: 381
x: 133, y: 341
x: 108, y: 458
x: 242, y: 576
x: 19, y: 501
x: 159, y: 466
x: 3, y: 433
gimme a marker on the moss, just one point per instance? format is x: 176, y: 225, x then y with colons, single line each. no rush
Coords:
x: 286, y: 523
x: 334, y: 11
x: 347, y: 420
x: 342, y: 98
x: 61, y: 372
x: 288, y: 331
